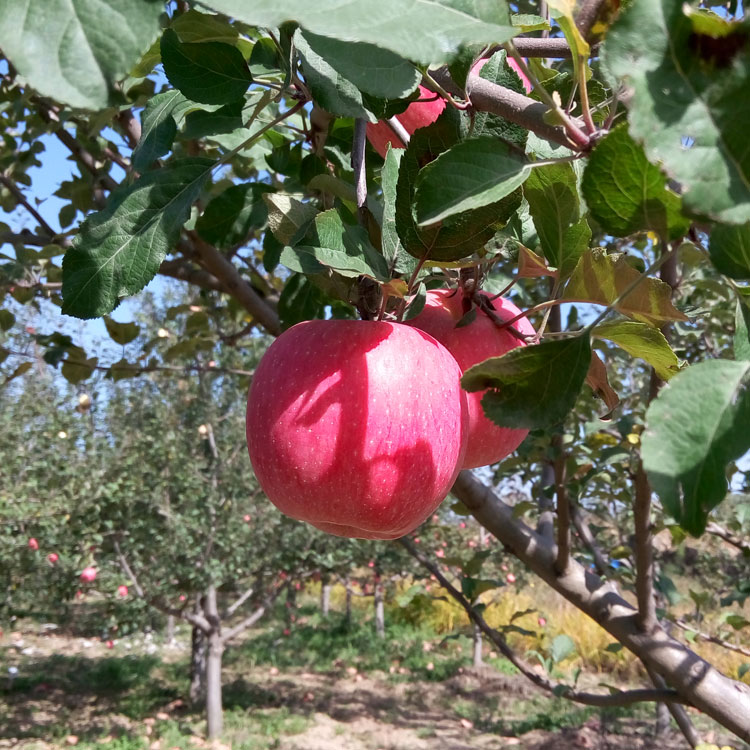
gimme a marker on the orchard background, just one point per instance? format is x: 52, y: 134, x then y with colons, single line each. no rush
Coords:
x: 181, y: 183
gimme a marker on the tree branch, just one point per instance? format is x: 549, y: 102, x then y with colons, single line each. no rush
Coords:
x: 725, y: 700
x: 587, y: 536
x: 736, y: 541
x: 21, y: 198
x: 563, y: 514
x: 182, y: 270
x: 249, y: 621
x: 678, y: 712
x: 622, y: 698
x: 712, y: 638
x: 240, y: 601
x: 236, y: 286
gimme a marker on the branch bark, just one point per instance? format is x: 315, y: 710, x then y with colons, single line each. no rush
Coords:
x: 696, y: 681
x: 644, y: 552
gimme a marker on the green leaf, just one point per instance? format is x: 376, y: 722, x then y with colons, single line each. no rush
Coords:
x: 426, y: 31
x: 533, y: 386
x: 75, y: 52
x: 372, y: 69
x: 689, y: 102
x: 527, y: 22
x: 393, y: 251
x: 562, y: 647
x: 207, y: 72
x: 695, y: 427
x: 602, y: 278
x: 118, y: 250
x: 288, y: 217
x: 194, y: 26
x: 552, y: 194
x: 121, y: 333
x: 729, y: 247
x: 233, y: 215
x: 742, y: 330
x: 300, y: 300
x: 642, y: 341
x: 20, y: 370
x: 472, y: 174
x: 627, y: 194
x: 458, y: 236
x: 564, y: 14
x: 332, y: 90
x: 75, y: 367
x: 497, y: 70
x: 158, y: 129
x: 7, y: 319
x: 343, y: 247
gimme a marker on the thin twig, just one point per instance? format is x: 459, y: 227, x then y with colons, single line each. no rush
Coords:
x: 563, y: 514
x: 401, y: 132
x: 712, y: 638
x: 21, y: 198
x: 622, y: 698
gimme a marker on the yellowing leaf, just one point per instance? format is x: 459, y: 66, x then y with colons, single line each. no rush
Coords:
x: 530, y: 265
x: 602, y: 279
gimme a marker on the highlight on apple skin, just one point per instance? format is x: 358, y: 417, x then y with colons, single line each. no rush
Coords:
x: 471, y: 344
x: 357, y: 427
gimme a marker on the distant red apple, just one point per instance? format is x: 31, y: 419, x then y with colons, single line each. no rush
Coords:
x: 88, y: 574
x: 541, y: 622
x: 417, y: 540
x: 364, y: 434
x: 510, y: 578
x: 182, y: 597
x: 287, y: 631
x: 110, y: 644
x: 462, y: 525
x: 471, y: 344
x: 440, y: 553
x: 246, y: 519
x: 53, y: 557
x: 122, y: 591
x: 418, y: 114
x: 371, y: 564
x: 33, y: 544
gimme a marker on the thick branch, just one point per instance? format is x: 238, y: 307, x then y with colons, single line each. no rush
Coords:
x: 622, y: 698
x: 235, y: 285
x: 588, y: 15
x: 184, y: 271
x: 725, y: 700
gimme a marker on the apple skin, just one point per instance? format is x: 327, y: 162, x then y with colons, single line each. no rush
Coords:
x: 357, y: 427
x: 122, y: 592
x: 417, y: 115
x: 33, y: 544
x: 88, y: 575
x: 53, y: 557
x: 470, y: 344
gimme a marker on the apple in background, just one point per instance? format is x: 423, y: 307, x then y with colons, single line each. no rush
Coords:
x: 541, y: 622
x: 510, y: 578
x: 110, y: 644
x: 33, y: 544
x: 88, y: 575
x: 470, y: 344
x: 53, y: 557
x: 419, y: 114
x: 122, y: 591
x: 357, y: 427
x: 246, y: 519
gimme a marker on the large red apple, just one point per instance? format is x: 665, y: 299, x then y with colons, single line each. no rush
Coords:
x: 357, y: 427
x: 419, y: 114
x: 470, y: 344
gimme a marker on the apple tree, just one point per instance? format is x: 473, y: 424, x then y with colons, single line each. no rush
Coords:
x: 594, y: 170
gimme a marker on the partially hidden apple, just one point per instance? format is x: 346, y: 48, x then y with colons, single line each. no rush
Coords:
x: 33, y: 544
x: 53, y: 557
x: 88, y: 574
x: 122, y: 591
x: 471, y: 344
x: 419, y: 114
x: 357, y: 427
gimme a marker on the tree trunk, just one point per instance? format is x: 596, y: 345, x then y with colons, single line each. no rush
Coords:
x: 348, y: 610
x: 379, y: 608
x: 325, y: 597
x: 198, y: 653
x: 477, y: 660
x: 170, y: 630
x: 214, y: 711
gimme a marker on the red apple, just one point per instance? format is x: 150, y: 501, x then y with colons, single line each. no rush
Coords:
x: 88, y: 575
x: 357, y: 427
x: 510, y: 578
x: 246, y: 519
x: 122, y: 591
x: 53, y: 557
x: 470, y: 344
x: 110, y: 644
x: 182, y: 597
x: 418, y: 114
x: 440, y: 552
x: 33, y: 544
x: 542, y: 622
